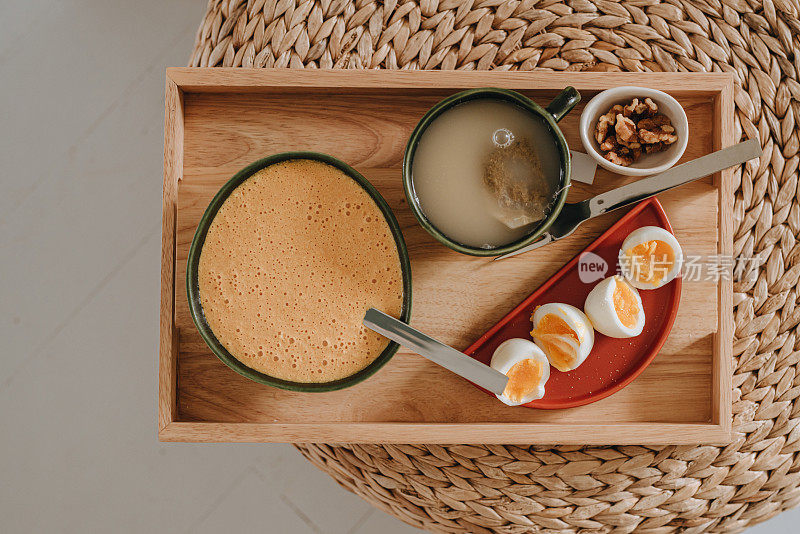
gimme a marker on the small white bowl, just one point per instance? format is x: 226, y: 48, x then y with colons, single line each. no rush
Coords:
x: 647, y: 163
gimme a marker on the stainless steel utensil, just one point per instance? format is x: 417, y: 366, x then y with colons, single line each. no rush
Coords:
x: 436, y: 351
x: 573, y: 214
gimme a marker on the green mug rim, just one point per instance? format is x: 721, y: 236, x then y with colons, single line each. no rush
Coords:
x: 474, y: 94
x: 192, y: 285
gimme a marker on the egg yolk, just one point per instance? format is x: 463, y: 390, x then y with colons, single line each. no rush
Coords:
x: 625, y: 304
x: 523, y: 378
x: 650, y: 261
x: 552, y: 333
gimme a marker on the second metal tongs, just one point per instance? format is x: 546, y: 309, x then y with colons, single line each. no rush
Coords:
x: 573, y: 214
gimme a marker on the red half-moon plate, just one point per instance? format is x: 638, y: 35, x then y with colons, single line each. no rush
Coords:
x: 613, y: 363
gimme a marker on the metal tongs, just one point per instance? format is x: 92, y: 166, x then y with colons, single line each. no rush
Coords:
x: 573, y: 214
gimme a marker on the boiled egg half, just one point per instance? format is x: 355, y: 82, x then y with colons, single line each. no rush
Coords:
x: 527, y: 369
x: 563, y: 333
x: 650, y: 257
x: 615, y: 308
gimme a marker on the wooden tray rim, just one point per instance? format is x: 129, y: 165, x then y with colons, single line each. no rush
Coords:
x: 180, y: 80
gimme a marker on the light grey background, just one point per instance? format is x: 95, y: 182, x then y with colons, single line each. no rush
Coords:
x: 82, y: 88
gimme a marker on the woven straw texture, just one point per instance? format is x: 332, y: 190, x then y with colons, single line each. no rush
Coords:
x: 511, y: 489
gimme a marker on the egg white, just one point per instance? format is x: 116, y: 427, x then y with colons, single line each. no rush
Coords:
x: 513, y: 351
x: 600, y: 309
x: 578, y: 322
x: 643, y: 235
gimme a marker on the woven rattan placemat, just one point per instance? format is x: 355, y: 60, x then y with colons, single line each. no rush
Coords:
x: 514, y: 489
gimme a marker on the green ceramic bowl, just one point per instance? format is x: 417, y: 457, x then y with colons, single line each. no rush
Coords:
x: 193, y: 291
x: 554, y: 112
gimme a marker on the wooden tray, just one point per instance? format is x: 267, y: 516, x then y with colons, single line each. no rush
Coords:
x: 219, y: 120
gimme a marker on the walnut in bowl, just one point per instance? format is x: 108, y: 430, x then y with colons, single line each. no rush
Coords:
x: 634, y: 131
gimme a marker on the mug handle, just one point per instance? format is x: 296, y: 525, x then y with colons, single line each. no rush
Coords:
x: 563, y: 103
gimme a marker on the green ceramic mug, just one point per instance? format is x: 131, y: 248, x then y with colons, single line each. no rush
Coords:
x: 193, y: 289
x: 554, y: 112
